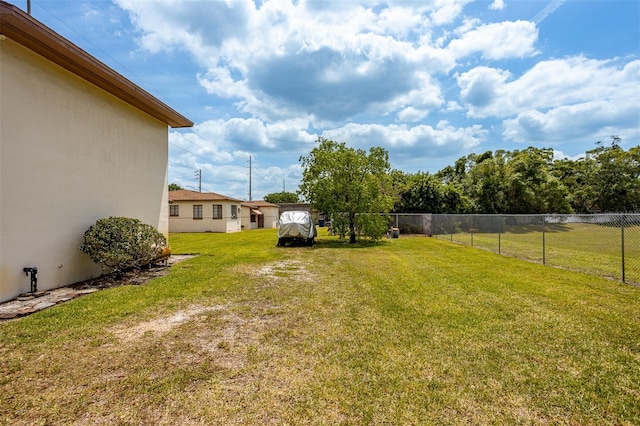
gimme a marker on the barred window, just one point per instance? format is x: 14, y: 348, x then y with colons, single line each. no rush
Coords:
x: 197, y: 211
x: 217, y: 211
x: 234, y: 211
x: 174, y: 210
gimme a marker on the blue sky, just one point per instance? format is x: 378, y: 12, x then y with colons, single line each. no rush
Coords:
x: 430, y: 81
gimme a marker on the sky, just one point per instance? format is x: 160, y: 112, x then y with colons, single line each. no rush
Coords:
x: 430, y: 81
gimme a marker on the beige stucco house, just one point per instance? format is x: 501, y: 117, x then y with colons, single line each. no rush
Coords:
x: 78, y: 142
x: 192, y: 211
x: 259, y: 214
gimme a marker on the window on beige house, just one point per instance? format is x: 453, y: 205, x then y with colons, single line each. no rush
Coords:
x: 197, y: 211
x: 174, y: 210
x: 217, y: 211
x: 234, y: 211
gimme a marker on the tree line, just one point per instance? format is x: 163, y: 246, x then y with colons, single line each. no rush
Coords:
x: 528, y: 181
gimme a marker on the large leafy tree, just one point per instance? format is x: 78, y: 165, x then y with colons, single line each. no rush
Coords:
x: 531, y: 185
x: 281, y: 197
x: 424, y: 192
x: 606, y: 179
x: 614, y: 177
x: 351, y: 185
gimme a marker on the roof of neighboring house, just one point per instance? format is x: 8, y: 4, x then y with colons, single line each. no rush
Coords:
x: 187, y: 195
x: 258, y: 204
x: 32, y: 34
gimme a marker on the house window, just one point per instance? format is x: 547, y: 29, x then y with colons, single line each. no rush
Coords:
x: 197, y: 211
x: 253, y: 218
x: 174, y: 210
x: 217, y: 211
x: 234, y: 211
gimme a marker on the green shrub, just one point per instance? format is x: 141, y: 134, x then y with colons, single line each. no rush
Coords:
x: 121, y: 243
x: 372, y: 225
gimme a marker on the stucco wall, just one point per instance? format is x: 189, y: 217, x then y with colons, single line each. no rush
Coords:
x: 186, y: 223
x: 70, y: 154
x: 270, y: 216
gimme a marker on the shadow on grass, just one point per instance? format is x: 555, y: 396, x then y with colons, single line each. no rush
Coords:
x: 339, y: 243
x: 528, y: 229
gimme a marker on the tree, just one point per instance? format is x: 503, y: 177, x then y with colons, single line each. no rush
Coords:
x: 174, y: 187
x: 531, y: 186
x: 607, y: 179
x: 353, y: 187
x: 425, y: 194
x: 615, y: 177
x: 281, y: 197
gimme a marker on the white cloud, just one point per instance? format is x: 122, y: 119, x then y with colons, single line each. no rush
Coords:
x: 553, y: 83
x: 481, y: 87
x: 498, y: 41
x: 446, y: 11
x: 497, y: 5
x: 587, y: 121
x: 420, y: 141
x: 411, y: 114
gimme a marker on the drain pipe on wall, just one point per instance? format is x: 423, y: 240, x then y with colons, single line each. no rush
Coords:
x: 34, y: 277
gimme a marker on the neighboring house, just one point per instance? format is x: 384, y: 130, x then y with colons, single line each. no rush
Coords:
x: 78, y: 142
x: 259, y: 214
x: 192, y: 211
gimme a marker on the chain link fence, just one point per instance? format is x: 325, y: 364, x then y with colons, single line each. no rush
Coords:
x: 606, y: 245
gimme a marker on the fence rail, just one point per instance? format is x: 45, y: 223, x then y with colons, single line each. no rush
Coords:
x: 606, y: 245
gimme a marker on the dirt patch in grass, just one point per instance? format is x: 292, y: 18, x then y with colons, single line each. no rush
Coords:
x: 283, y: 270
x: 161, y: 325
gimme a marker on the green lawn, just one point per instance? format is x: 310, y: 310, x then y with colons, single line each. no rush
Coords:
x: 404, y: 331
x: 590, y: 248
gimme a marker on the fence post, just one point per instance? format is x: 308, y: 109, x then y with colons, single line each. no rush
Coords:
x: 544, y: 245
x: 451, y: 227
x: 499, y: 234
x: 622, y: 246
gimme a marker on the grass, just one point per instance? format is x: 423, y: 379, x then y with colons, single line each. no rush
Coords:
x: 591, y: 248
x: 403, y: 331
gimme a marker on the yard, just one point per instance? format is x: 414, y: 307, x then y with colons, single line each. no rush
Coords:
x: 404, y: 331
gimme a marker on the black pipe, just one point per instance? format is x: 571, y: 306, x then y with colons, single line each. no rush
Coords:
x: 34, y: 277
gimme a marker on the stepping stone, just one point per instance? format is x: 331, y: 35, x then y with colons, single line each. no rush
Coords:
x: 8, y: 315
x: 26, y: 311
x: 43, y: 305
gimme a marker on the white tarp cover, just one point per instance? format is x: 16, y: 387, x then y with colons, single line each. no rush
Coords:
x: 296, y: 224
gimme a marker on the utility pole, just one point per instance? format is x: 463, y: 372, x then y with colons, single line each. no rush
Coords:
x: 249, y: 177
x: 199, y: 176
x: 29, y: 7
